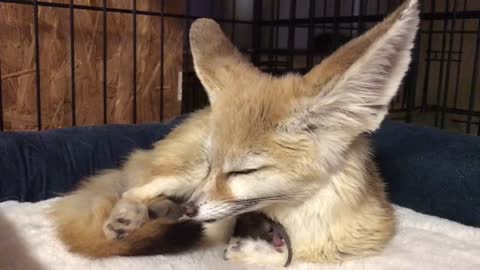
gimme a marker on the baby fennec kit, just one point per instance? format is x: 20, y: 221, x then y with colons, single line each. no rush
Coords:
x: 292, y: 147
x: 249, y: 225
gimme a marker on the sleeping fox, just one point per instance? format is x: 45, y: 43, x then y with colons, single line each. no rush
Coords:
x: 293, y: 147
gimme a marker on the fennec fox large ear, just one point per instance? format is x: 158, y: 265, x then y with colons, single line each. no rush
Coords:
x: 217, y: 62
x: 354, y: 86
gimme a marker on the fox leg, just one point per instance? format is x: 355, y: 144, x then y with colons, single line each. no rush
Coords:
x: 166, y: 186
x: 253, y: 251
x: 131, y: 211
x: 177, y: 173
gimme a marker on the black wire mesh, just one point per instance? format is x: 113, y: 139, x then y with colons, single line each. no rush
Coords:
x: 1, y: 100
x: 294, y: 35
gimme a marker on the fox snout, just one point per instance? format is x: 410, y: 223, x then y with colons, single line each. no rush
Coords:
x: 190, y: 209
x: 212, y: 210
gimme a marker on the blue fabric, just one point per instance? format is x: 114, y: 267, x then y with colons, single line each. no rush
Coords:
x: 39, y: 165
x: 429, y: 170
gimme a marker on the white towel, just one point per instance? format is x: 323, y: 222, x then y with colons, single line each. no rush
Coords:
x: 28, y: 242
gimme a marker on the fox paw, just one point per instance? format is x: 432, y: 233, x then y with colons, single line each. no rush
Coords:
x: 126, y: 216
x: 233, y: 247
x: 254, y: 252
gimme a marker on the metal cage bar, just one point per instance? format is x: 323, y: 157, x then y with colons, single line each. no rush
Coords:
x: 311, y: 31
x: 234, y: 15
x: 274, y: 48
x: 72, y: 63
x: 459, y: 66
x: 105, y: 89
x: 427, y: 68
x: 117, y: 10
x: 291, y: 33
x: 186, y: 102
x: 271, y: 36
x: 134, y: 53
x: 442, y: 67
x: 1, y: 98
x: 449, y: 61
x: 162, y: 58
x: 256, y: 31
x: 37, y: 66
x: 471, y: 103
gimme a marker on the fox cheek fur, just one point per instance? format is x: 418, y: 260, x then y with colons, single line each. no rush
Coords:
x: 242, y: 194
x: 250, y: 180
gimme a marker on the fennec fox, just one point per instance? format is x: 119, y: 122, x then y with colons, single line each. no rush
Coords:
x: 293, y: 147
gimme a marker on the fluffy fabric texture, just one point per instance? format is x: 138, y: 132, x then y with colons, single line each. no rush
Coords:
x: 28, y: 242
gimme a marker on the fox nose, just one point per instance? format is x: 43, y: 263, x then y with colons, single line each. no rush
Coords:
x: 190, y: 210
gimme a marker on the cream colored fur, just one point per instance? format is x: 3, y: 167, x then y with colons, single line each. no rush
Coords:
x: 304, y: 136
x: 292, y: 147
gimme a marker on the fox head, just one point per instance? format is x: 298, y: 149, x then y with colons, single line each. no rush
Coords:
x: 277, y: 139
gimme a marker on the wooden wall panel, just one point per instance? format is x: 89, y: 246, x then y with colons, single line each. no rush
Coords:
x: 148, y: 69
x: 18, y: 67
x: 89, y: 68
x: 172, y: 66
x: 17, y: 58
x: 54, y: 42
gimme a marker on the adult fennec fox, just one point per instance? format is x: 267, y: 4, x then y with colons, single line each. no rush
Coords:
x: 293, y: 147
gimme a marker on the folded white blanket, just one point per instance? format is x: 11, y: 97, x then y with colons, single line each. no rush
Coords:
x: 27, y: 242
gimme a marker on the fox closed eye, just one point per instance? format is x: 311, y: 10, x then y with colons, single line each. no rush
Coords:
x: 243, y: 172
